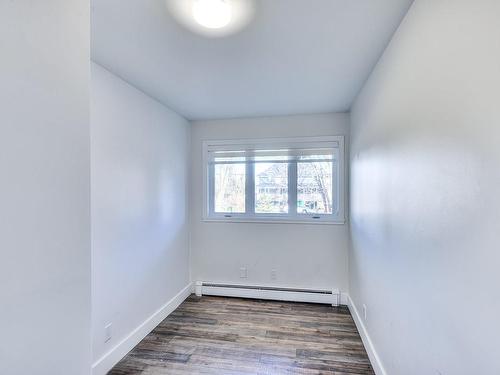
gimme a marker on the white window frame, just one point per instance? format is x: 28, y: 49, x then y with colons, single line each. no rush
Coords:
x: 338, y: 176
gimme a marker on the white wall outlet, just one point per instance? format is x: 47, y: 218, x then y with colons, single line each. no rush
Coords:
x: 108, y: 332
x: 273, y: 274
x: 243, y: 272
x: 364, y: 311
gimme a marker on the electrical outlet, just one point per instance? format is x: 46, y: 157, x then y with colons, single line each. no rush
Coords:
x: 364, y: 311
x: 243, y: 273
x: 108, y: 332
x: 273, y: 274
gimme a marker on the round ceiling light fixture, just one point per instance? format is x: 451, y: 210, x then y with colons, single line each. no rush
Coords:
x: 212, y: 18
x: 213, y: 14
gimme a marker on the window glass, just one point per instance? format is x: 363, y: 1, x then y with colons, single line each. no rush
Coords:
x: 314, y: 187
x: 271, y: 188
x: 229, y: 188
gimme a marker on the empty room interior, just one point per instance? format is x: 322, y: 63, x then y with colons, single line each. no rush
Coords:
x: 250, y: 187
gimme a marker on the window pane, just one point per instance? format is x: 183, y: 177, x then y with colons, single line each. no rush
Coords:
x: 229, y: 189
x: 271, y: 188
x: 314, y: 188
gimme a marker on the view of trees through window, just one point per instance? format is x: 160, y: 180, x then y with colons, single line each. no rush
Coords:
x: 314, y: 187
x: 229, y: 189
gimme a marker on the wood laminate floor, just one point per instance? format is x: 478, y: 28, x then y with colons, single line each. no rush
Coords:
x: 223, y: 336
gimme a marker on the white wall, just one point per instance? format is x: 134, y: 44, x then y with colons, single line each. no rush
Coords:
x: 425, y: 196
x: 44, y: 185
x: 310, y: 255
x: 140, y: 238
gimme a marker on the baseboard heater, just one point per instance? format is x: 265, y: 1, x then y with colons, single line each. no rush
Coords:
x: 330, y: 297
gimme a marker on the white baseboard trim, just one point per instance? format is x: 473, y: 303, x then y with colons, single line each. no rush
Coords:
x: 370, y: 349
x: 111, y: 358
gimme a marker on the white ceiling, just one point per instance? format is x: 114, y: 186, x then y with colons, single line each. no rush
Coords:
x: 296, y: 56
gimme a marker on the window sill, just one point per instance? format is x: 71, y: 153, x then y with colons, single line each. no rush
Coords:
x: 263, y: 220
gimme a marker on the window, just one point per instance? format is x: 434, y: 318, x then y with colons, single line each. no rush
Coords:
x: 275, y: 180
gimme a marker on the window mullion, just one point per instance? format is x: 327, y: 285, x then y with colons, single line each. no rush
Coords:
x: 250, y: 189
x: 292, y: 188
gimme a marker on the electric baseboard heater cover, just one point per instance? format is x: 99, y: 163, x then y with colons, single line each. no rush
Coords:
x: 331, y: 297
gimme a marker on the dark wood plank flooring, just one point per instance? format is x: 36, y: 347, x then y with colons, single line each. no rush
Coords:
x: 222, y: 336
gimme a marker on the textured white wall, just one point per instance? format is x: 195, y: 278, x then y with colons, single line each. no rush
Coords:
x: 425, y: 196
x: 140, y: 234
x: 308, y: 255
x: 44, y: 185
